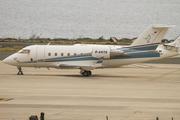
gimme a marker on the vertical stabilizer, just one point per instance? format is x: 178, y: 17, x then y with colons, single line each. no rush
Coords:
x: 153, y: 34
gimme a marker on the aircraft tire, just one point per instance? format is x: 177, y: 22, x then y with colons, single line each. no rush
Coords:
x: 20, y: 73
x: 89, y: 73
x: 85, y: 74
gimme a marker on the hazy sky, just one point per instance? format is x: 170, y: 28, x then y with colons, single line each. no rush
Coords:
x: 86, y: 18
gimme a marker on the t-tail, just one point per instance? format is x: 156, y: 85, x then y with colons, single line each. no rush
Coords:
x: 153, y: 34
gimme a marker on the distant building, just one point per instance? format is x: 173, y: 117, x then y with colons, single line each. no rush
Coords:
x: 113, y: 39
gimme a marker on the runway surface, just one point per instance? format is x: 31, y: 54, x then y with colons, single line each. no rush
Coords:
x: 134, y: 92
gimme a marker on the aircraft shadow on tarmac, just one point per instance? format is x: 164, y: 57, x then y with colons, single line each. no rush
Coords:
x: 80, y: 76
x: 100, y: 75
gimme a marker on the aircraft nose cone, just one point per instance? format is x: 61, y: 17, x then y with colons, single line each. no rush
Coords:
x: 5, y: 61
x: 8, y: 60
x: 11, y: 60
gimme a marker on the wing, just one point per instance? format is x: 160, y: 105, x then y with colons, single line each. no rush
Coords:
x: 85, y: 67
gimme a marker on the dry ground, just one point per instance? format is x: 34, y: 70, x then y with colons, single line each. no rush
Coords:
x: 134, y: 92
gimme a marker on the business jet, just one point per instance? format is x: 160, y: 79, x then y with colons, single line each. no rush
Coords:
x: 87, y: 57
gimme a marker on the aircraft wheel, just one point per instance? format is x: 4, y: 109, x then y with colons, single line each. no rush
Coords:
x: 20, y: 73
x: 86, y: 73
x: 89, y: 73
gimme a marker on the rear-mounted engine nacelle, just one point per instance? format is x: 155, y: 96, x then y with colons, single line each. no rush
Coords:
x: 101, y: 51
x: 106, y: 52
x: 114, y: 53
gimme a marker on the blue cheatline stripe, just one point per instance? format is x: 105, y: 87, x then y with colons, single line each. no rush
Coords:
x: 40, y: 60
x: 140, y: 54
x: 130, y: 55
x: 59, y: 59
x: 145, y: 45
x: 29, y: 62
x: 139, y: 48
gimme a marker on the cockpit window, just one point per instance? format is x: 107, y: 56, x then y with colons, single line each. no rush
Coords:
x: 24, y: 51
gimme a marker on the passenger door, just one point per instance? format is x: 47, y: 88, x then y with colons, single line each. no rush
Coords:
x: 40, y: 53
x: 32, y: 55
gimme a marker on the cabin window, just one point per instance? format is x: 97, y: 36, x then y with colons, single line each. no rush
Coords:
x: 55, y: 54
x: 49, y: 54
x: 61, y: 54
x: 24, y: 51
x: 68, y: 54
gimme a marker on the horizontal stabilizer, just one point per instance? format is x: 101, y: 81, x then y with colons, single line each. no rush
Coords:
x: 162, y: 26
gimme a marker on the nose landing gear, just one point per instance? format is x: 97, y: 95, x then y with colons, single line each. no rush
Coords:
x: 20, y: 71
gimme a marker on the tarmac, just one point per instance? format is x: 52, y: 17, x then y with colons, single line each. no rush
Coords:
x: 134, y: 92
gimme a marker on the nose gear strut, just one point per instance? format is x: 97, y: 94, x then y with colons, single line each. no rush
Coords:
x: 20, y: 71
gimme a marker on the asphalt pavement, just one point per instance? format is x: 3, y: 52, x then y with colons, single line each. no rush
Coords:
x: 133, y: 92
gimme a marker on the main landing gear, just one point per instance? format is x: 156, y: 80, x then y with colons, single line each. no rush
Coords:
x: 20, y: 71
x: 85, y: 73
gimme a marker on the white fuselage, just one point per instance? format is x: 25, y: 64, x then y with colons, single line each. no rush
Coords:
x: 89, y: 57
x: 78, y: 55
